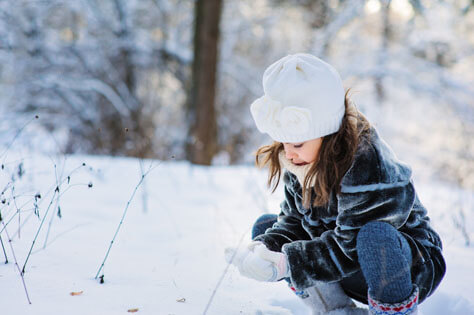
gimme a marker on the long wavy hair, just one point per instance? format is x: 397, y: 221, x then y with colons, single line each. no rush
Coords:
x: 334, y: 159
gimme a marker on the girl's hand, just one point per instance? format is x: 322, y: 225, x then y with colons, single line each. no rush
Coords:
x: 256, y: 261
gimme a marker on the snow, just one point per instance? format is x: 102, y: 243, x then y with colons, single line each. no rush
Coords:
x: 168, y: 257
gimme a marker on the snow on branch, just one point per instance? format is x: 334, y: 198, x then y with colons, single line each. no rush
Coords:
x: 351, y: 10
x: 88, y: 85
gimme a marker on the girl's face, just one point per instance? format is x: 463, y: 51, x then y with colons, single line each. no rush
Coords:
x: 303, y: 152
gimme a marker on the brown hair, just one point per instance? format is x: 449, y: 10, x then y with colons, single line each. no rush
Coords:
x: 335, y: 157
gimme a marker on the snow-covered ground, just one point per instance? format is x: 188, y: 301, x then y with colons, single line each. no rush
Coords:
x: 168, y: 257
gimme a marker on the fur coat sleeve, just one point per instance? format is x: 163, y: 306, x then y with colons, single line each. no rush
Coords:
x: 320, y: 242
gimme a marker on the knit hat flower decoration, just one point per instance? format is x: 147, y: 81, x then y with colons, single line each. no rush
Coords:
x: 270, y: 114
x: 303, y: 100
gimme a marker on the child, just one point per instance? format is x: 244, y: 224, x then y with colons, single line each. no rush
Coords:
x: 351, y: 225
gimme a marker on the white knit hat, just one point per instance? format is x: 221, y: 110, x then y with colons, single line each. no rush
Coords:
x: 303, y: 100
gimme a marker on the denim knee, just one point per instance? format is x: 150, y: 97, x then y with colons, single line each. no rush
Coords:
x: 263, y: 223
x: 385, y: 259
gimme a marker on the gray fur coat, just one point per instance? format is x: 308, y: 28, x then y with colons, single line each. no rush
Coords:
x: 320, y: 242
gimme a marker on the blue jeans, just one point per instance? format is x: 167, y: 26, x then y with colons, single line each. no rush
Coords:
x: 384, y: 257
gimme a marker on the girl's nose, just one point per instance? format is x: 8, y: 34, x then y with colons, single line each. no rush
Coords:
x: 290, y: 154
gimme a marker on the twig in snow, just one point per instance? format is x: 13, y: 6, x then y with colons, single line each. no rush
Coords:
x: 16, y: 262
x: 56, y: 191
x: 39, y: 229
x: 38, y: 195
x: 17, y: 211
x: 56, y: 206
x: 33, y: 212
x: 4, y: 252
x: 223, y: 274
x: 121, y: 222
x: 144, y: 190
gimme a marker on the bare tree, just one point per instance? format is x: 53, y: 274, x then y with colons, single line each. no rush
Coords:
x: 202, y: 112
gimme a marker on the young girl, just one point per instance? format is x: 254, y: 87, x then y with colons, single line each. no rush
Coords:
x: 351, y: 225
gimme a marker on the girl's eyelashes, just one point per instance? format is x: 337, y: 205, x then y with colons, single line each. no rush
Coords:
x: 294, y: 145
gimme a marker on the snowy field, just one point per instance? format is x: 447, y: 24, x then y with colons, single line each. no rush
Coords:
x: 168, y: 256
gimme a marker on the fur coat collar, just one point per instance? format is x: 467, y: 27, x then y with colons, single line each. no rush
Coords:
x: 299, y: 171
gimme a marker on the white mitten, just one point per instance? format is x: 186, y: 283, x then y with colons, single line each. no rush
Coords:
x: 279, y: 261
x: 236, y: 256
x: 256, y: 261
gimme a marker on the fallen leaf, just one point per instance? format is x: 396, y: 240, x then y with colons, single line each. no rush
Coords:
x: 76, y: 293
x: 133, y: 310
x: 182, y: 300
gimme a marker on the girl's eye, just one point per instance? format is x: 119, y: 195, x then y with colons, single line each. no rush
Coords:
x: 298, y: 145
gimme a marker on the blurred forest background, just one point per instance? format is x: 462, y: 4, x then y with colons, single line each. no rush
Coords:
x: 174, y: 78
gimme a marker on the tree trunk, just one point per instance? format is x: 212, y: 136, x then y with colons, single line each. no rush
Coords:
x: 202, y: 145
